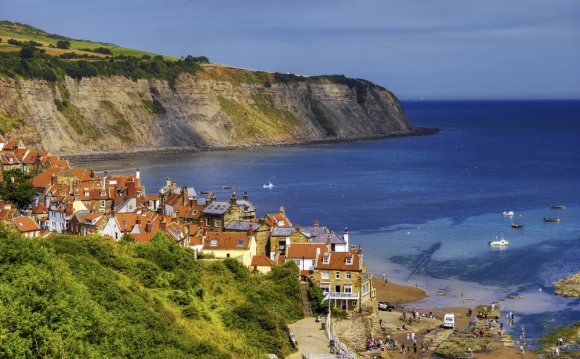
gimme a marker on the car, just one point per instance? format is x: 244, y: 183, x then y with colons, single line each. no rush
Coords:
x: 386, y: 306
x: 448, y: 321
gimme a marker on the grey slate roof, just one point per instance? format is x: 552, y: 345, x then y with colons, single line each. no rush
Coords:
x: 217, y: 208
x: 241, y: 226
x: 246, y: 206
x: 201, y: 201
x: 320, y: 235
x: 282, y: 231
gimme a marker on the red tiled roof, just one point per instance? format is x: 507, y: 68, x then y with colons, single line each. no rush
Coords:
x: 262, y: 261
x: 227, y: 240
x: 40, y: 209
x: 142, y: 237
x: 305, y: 250
x: 277, y: 220
x: 25, y: 224
x: 43, y: 179
x: 337, y: 261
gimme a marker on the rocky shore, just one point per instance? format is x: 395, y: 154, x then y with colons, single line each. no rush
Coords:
x: 137, y: 152
x: 568, y: 287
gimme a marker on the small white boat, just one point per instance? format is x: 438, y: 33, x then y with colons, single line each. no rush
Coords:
x: 500, y: 243
x: 508, y: 213
x: 269, y: 185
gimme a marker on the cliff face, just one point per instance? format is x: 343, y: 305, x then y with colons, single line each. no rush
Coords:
x: 215, y: 108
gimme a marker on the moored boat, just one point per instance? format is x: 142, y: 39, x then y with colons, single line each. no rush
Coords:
x: 228, y: 187
x: 553, y: 220
x: 508, y: 213
x: 268, y: 185
x: 498, y: 243
x: 517, y: 226
x: 558, y: 206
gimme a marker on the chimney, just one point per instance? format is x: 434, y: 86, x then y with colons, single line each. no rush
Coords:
x: 345, y: 237
x: 184, y: 197
x: 245, y: 196
x: 138, y: 220
x: 360, y: 249
x: 105, y: 174
x: 137, y: 174
x: 251, y: 231
x: 212, y: 198
x: 234, y: 199
x: 148, y: 226
x: 69, y: 209
x: 131, y: 191
x: 297, y: 228
x: 162, y: 223
x: 353, y: 248
x: 53, y: 179
x: 316, y: 223
x: 167, y: 181
x: 173, y: 185
x: 92, y: 173
x: 328, y: 242
x: 282, y: 211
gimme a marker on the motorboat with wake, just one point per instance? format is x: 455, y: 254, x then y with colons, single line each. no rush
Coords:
x: 558, y: 206
x: 508, y: 213
x: 517, y: 226
x: 502, y: 242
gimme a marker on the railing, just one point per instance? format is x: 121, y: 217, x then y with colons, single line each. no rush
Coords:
x: 343, y: 295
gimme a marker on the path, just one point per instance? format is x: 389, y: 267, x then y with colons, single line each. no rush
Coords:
x: 309, y: 337
x: 305, y: 300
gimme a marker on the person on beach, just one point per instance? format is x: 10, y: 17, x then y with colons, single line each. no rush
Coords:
x: 413, y: 336
x: 522, y: 352
x: 408, y: 336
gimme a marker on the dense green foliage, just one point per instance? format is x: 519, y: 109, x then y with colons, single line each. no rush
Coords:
x: 85, y: 297
x: 16, y: 187
x: 35, y: 65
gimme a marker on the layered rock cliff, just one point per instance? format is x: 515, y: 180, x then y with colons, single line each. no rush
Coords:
x: 217, y: 107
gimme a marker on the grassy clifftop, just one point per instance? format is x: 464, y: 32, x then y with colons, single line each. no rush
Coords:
x: 85, y: 297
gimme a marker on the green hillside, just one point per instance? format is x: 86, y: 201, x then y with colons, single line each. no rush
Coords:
x: 83, y: 297
x: 24, y: 32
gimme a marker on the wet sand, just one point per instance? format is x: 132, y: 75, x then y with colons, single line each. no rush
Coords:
x: 397, y: 293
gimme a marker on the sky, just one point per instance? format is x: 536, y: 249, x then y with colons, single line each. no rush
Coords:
x: 444, y: 49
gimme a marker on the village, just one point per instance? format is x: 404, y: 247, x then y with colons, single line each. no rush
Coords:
x: 75, y: 201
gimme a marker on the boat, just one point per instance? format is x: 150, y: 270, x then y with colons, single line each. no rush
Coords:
x: 558, y: 206
x: 508, y: 213
x: 517, y: 226
x: 499, y: 243
x: 228, y: 187
x: 553, y: 220
x: 268, y: 185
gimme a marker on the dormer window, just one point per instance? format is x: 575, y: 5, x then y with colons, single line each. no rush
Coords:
x: 325, y: 259
x: 213, y: 243
x: 348, y: 260
x: 240, y: 243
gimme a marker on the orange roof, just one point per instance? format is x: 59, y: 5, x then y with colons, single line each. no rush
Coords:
x: 153, y: 197
x: 82, y: 174
x: 11, y: 145
x: 262, y: 261
x: 195, y: 241
x: 305, y: 250
x: 93, y: 216
x: 5, y: 214
x: 338, y: 261
x: 226, y: 240
x: 277, y: 220
x: 142, y: 237
x: 40, y: 209
x: 25, y: 224
x: 43, y: 179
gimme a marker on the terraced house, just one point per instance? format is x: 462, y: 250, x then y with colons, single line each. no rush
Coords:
x: 344, y: 276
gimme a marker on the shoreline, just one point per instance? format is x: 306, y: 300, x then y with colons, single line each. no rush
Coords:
x: 132, y: 153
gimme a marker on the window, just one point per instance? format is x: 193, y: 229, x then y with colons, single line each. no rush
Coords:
x: 325, y: 259
x: 348, y: 260
x: 347, y: 275
x: 325, y: 275
x: 240, y: 243
x: 297, y: 261
x: 337, y: 275
x: 213, y: 243
x: 102, y: 203
x: 325, y: 288
x: 348, y: 288
x: 103, y: 194
x: 365, y: 288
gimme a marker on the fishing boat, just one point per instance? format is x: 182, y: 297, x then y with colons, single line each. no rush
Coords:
x: 553, y: 220
x: 508, y: 213
x: 517, y: 226
x: 268, y: 185
x: 558, y: 206
x: 499, y: 243
x: 228, y: 187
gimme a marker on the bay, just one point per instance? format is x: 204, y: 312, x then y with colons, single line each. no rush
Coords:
x: 424, y: 208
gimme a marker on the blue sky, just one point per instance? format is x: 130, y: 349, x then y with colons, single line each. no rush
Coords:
x: 444, y: 49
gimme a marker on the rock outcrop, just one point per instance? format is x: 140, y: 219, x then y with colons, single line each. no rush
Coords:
x: 217, y: 107
x: 568, y: 287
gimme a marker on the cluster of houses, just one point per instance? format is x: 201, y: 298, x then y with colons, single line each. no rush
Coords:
x: 78, y: 202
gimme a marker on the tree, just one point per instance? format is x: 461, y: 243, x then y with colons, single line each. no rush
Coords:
x: 63, y: 44
x: 17, y: 188
x: 27, y: 52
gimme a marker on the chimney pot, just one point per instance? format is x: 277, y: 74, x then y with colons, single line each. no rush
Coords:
x: 316, y: 223
x: 251, y: 230
x: 353, y: 248
x: 360, y: 249
x: 282, y: 211
x: 245, y: 196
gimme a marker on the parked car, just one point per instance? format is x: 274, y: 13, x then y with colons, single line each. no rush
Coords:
x: 448, y: 321
x: 386, y: 306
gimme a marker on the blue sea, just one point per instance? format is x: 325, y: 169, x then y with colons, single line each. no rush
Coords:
x: 424, y: 208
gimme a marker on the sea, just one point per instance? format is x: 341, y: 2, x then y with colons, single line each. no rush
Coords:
x: 424, y: 208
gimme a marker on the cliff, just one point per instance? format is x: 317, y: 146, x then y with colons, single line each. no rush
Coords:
x: 215, y: 107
